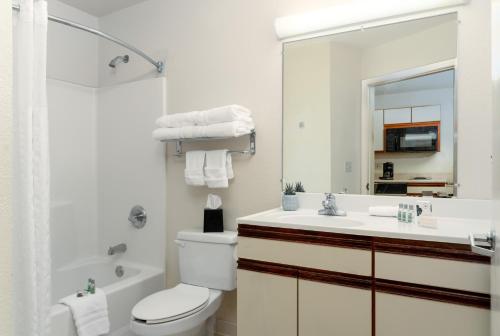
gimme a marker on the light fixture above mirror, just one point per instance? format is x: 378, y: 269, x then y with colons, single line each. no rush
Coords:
x: 358, y: 12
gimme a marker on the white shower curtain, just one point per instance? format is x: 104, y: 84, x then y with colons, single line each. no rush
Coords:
x: 31, y: 238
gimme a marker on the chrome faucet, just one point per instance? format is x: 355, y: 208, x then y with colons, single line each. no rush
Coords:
x: 120, y: 248
x: 330, y: 207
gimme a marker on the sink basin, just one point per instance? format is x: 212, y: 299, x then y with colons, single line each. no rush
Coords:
x: 303, y: 219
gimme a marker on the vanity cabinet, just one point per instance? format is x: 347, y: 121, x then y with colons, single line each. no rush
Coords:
x: 302, y: 282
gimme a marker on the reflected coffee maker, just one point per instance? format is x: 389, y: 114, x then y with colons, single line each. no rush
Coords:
x: 388, y: 171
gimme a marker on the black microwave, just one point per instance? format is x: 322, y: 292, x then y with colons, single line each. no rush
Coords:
x: 412, y: 138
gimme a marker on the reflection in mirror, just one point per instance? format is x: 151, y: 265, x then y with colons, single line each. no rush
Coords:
x: 372, y: 111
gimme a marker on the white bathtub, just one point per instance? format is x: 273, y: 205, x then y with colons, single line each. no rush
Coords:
x: 122, y: 293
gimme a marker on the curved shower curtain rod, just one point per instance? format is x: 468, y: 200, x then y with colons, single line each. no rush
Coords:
x: 158, y: 64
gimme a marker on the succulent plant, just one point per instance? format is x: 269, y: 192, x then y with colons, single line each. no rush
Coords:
x: 299, y: 187
x: 289, y: 189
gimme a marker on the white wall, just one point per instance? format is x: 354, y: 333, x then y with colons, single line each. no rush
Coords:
x: 131, y: 169
x: 5, y: 165
x: 474, y: 101
x: 424, y: 164
x: 71, y: 53
x: 307, y: 150
x: 426, y: 47
x: 346, y: 107
x: 73, y: 169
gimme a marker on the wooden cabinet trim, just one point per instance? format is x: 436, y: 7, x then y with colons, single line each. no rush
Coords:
x: 305, y: 236
x: 305, y: 273
x: 267, y: 267
x: 433, y: 293
x: 437, y: 250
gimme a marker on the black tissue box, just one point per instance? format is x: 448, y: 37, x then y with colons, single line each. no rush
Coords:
x: 213, y: 221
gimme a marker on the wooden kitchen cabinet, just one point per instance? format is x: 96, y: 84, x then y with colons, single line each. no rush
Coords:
x: 425, y: 113
x: 378, y: 130
x: 397, y: 116
x: 267, y: 304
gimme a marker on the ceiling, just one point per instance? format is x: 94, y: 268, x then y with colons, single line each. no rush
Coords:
x: 439, y: 80
x: 101, y: 7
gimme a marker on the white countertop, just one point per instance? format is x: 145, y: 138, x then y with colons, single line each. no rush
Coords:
x: 411, y: 181
x: 446, y: 229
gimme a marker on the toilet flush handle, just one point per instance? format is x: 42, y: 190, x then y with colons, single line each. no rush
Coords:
x: 180, y: 243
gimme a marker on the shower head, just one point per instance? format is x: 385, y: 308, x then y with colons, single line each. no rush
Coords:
x: 118, y: 59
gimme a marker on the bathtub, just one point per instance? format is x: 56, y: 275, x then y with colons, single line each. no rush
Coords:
x: 122, y: 292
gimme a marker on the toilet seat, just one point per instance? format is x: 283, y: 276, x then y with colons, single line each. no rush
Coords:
x: 182, y: 324
x: 171, y: 304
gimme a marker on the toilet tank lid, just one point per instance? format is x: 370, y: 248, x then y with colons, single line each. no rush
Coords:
x: 226, y: 237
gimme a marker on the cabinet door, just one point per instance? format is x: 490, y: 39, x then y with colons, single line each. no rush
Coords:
x: 426, y: 113
x: 378, y: 130
x: 398, y: 315
x: 397, y: 116
x: 329, y: 309
x: 267, y: 304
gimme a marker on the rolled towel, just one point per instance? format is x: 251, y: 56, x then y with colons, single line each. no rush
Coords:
x: 222, y: 130
x: 204, y: 118
x: 383, y: 211
x: 90, y: 313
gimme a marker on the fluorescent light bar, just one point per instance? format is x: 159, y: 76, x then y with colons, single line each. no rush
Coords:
x: 355, y: 12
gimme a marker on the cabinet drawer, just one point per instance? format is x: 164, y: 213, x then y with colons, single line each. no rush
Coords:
x: 329, y: 258
x: 397, y: 116
x: 454, y: 274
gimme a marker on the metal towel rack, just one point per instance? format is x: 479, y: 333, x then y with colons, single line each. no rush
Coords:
x: 250, y: 151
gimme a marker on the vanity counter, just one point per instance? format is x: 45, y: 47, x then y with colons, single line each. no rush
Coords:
x: 445, y: 229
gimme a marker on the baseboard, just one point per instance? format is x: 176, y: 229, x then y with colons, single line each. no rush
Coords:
x: 225, y: 328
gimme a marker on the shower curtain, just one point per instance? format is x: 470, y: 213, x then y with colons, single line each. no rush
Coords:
x: 31, y: 202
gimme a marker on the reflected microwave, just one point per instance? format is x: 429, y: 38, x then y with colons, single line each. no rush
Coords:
x: 412, y: 137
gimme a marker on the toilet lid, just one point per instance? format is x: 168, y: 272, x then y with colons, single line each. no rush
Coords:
x: 171, y: 304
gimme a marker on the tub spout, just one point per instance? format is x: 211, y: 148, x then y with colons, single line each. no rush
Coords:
x: 120, y: 248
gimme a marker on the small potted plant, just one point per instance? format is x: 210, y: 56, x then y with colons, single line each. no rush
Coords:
x: 289, y: 201
x: 299, y: 187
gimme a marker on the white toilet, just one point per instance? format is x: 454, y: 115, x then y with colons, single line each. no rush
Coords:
x: 207, y: 263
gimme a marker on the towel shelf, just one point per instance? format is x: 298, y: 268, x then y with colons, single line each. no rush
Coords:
x: 249, y: 151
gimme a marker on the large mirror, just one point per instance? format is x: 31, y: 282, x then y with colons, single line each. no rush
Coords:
x: 373, y: 111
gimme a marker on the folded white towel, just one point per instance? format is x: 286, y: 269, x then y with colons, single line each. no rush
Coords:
x: 208, y: 117
x: 90, y: 313
x: 383, y: 211
x: 194, y: 174
x: 223, y: 130
x: 216, y: 169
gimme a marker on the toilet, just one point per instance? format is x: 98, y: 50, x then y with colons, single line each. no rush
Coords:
x: 207, y: 264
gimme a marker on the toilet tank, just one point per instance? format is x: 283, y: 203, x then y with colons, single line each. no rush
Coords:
x: 208, y: 259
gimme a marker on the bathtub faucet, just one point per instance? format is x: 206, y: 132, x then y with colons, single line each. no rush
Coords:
x: 120, y: 248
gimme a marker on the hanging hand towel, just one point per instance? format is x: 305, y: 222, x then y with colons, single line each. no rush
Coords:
x: 193, y: 174
x: 90, y: 313
x: 216, y: 170
x: 208, y: 117
x: 229, y: 166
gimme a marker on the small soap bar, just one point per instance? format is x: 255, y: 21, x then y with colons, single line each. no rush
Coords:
x: 213, y: 221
